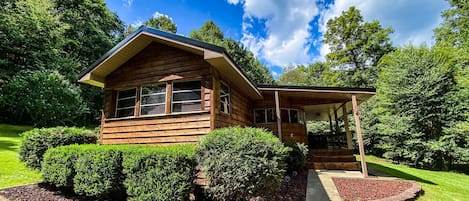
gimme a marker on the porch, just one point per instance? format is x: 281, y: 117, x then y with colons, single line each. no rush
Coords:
x: 330, y: 149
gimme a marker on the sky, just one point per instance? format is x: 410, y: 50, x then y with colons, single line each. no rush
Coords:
x: 284, y: 33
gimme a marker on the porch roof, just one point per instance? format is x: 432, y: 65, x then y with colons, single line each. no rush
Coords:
x: 320, y: 102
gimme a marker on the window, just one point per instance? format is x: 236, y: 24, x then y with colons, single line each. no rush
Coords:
x: 260, y: 116
x: 224, y: 98
x: 152, y: 100
x: 268, y: 115
x: 125, y: 106
x: 186, y: 96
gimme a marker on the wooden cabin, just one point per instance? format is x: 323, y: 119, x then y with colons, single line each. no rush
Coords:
x: 163, y: 88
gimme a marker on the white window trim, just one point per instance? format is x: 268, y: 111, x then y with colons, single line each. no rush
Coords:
x: 123, y: 108
x: 151, y: 104
x: 224, y: 95
x: 186, y: 101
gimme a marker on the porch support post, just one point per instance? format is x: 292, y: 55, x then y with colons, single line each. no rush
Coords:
x: 337, y: 128
x: 359, y: 135
x: 330, y: 122
x: 279, y: 119
x: 347, y: 129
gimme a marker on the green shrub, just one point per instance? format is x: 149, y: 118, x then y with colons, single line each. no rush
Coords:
x: 98, y: 172
x: 57, y: 166
x: 107, y: 171
x: 159, y: 173
x: 240, y: 163
x: 36, y: 142
x: 296, y: 156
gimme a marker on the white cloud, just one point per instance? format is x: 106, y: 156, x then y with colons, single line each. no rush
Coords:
x: 287, y: 30
x: 413, y: 21
x: 137, y: 23
x: 127, y: 3
x: 158, y: 14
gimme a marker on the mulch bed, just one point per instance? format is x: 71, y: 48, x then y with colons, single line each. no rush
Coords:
x: 374, y: 189
x: 39, y: 192
x: 294, y: 190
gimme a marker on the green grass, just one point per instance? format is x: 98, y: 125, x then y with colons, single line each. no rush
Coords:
x: 437, y: 185
x: 12, y: 171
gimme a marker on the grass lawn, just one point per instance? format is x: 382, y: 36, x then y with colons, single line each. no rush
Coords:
x: 437, y: 185
x: 12, y: 171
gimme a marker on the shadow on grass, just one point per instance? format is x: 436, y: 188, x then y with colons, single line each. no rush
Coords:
x: 397, y: 173
x: 8, y: 146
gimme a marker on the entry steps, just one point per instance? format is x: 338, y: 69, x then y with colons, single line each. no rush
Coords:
x: 332, y: 159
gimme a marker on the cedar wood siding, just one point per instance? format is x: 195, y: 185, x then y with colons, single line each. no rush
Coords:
x: 298, y: 130
x: 241, y: 107
x: 153, y: 63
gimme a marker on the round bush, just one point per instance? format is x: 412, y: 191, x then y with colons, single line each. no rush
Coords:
x: 240, y: 163
x: 36, y: 142
x: 296, y: 156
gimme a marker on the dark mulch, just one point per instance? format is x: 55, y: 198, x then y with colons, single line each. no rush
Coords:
x: 371, y: 189
x: 40, y: 192
x: 294, y: 190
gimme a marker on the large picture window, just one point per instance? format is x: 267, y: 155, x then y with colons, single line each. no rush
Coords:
x: 125, y: 103
x: 225, y: 103
x: 267, y: 115
x: 186, y: 96
x: 153, y: 99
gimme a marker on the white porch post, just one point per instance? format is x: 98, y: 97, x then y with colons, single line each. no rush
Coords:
x: 279, y: 119
x: 359, y: 135
x: 347, y: 129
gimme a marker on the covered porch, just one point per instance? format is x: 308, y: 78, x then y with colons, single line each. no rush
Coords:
x: 287, y: 109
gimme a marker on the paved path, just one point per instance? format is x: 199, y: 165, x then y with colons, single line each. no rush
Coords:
x: 321, y: 187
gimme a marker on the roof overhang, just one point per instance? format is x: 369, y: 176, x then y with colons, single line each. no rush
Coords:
x: 321, y: 102
x: 96, y: 73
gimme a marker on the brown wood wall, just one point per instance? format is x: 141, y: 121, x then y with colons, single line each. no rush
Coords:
x: 171, y: 129
x: 156, y: 62
x: 241, y: 107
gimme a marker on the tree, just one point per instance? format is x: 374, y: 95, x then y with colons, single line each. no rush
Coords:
x: 356, y: 47
x: 162, y: 22
x: 31, y: 35
x: 255, y: 71
x: 413, y: 97
x: 316, y: 74
x: 209, y: 32
x: 45, y: 97
x: 454, y: 30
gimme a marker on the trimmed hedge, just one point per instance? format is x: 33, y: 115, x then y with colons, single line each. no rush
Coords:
x: 36, y: 142
x: 165, y: 173
x: 296, y: 156
x: 106, y: 171
x: 240, y: 163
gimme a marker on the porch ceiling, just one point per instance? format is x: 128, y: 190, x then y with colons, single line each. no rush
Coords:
x: 320, y: 102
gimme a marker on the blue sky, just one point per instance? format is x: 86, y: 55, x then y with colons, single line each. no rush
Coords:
x: 287, y: 32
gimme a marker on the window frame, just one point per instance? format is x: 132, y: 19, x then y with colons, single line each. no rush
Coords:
x: 299, y: 117
x: 123, y: 108
x: 153, y: 104
x: 229, y: 97
x: 172, y: 102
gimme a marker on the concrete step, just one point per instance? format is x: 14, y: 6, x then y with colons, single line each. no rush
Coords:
x: 339, y: 158
x: 335, y: 165
x: 330, y: 152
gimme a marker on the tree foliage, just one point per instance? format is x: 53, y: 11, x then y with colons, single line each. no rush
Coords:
x: 356, y: 47
x: 255, y: 71
x: 43, y: 97
x: 31, y: 35
x: 162, y: 22
x: 55, y: 38
x: 414, y: 98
